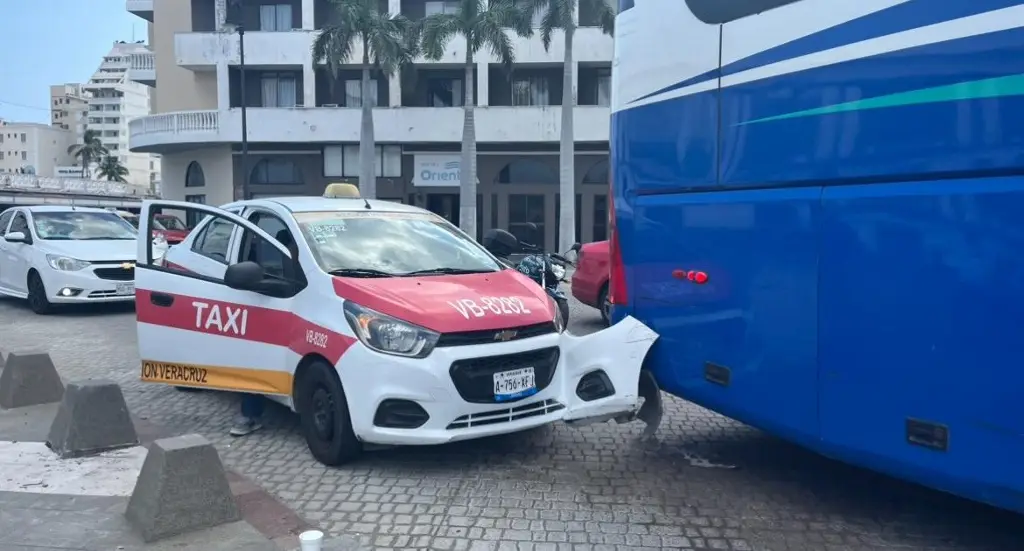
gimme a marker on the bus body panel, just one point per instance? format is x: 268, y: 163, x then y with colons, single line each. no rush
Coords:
x: 757, y: 313
x: 851, y: 180
x: 922, y: 293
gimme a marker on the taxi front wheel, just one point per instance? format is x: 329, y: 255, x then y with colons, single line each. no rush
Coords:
x: 323, y: 411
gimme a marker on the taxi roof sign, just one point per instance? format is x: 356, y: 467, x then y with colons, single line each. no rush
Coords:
x: 335, y: 191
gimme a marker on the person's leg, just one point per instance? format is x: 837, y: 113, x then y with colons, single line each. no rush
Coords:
x: 252, y: 412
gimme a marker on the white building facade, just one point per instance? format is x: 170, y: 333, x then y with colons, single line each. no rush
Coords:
x: 33, y: 148
x: 115, y: 100
x: 69, y: 108
x: 303, y: 132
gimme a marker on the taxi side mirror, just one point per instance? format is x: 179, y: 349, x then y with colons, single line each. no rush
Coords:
x: 244, y: 276
x: 17, y: 237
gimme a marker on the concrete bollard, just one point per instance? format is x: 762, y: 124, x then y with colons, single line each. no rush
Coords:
x: 182, y: 488
x: 93, y: 418
x: 29, y: 379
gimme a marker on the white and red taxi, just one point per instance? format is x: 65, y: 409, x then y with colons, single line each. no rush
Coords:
x: 377, y: 322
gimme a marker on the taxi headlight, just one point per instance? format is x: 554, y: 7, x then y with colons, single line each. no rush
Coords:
x: 558, y: 271
x: 65, y: 263
x: 389, y: 335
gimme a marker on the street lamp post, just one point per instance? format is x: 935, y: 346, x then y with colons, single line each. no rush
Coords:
x: 235, y: 18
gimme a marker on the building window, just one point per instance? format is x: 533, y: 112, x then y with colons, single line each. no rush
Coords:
x: 354, y: 93
x: 276, y: 17
x: 343, y: 161
x: 23, y: 138
x: 604, y: 87
x: 192, y: 217
x: 445, y: 92
x: 528, y: 91
x: 194, y: 176
x: 527, y: 171
x: 597, y: 174
x: 276, y: 172
x: 278, y: 90
x: 526, y: 218
x: 24, y: 155
x: 434, y: 6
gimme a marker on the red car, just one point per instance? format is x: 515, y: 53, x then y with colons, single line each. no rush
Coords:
x: 590, y: 281
x: 175, y: 231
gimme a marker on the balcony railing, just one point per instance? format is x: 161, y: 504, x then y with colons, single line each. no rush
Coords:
x: 188, y: 122
x: 142, y: 68
x: 494, y: 124
x: 142, y: 62
x: 28, y: 183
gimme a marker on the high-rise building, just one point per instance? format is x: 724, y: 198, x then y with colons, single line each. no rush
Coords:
x: 69, y: 107
x: 114, y: 101
x: 303, y: 129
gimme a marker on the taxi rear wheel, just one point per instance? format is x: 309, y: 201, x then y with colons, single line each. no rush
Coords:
x: 324, y: 416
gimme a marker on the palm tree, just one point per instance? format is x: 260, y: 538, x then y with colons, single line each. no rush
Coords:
x: 112, y: 170
x: 91, y: 149
x: 388, y: 43
x: 481, y: 28
x: 559, y: 14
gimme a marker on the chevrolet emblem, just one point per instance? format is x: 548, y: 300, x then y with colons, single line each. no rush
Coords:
x: 506, y: 335
x: 127, y: 265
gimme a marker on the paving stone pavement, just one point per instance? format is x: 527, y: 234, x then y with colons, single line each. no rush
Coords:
x: 706, y: 482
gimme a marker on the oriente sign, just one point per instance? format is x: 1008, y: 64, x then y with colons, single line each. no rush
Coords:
x: 436, y: 169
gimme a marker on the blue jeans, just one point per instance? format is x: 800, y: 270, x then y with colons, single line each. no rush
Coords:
x: 252, y: 406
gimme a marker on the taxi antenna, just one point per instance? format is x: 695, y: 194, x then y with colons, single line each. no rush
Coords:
x: 366, y: 203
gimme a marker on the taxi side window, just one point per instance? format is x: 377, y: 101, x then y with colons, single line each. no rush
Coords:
x: 212, y: 241
x: 265, y: 254
x: 20, y: 224
x: 5, y: 218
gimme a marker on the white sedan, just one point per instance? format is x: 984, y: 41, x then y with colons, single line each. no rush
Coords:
x: 60, y: 254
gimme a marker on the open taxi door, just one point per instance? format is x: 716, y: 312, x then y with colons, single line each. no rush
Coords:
x: 200, y: 331
x: 603, y: 370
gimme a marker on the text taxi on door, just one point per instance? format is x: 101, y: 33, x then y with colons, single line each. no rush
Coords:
x: 376, y: 321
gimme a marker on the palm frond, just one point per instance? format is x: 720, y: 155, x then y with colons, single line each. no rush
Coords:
x: 437, y: 30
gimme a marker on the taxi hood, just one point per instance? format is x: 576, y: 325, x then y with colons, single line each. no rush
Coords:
x: 453, y: 303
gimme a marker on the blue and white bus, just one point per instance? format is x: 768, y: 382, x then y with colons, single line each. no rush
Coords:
x: 819, y: 207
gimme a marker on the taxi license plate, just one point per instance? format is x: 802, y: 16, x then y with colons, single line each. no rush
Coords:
x: 124, y: 289
x: 509, y: 385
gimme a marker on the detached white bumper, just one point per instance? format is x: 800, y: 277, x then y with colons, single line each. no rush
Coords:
x: 454, y: 385
x: 96, y: 283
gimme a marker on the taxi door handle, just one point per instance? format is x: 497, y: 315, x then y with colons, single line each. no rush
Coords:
x: 161, y: 299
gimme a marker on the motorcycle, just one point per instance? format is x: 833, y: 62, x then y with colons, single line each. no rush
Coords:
x: 546, y: 269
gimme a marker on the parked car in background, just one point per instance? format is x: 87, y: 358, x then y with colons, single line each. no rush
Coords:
x: 175, y: 231
x: 590, y: 281
x: 53, y: 255
x: 172, y: 237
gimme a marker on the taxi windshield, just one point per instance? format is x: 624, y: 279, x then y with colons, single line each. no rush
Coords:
x: 81, y: 226
x: 367, y: 244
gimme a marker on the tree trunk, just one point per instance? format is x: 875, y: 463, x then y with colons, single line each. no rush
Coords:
x: 467, y: 168
x: 367, y: 146
x: 567, y: 152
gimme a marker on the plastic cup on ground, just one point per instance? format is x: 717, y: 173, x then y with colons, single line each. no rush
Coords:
x: 311, y: 540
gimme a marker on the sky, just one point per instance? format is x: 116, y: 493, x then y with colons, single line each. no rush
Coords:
x: 57, y: 41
